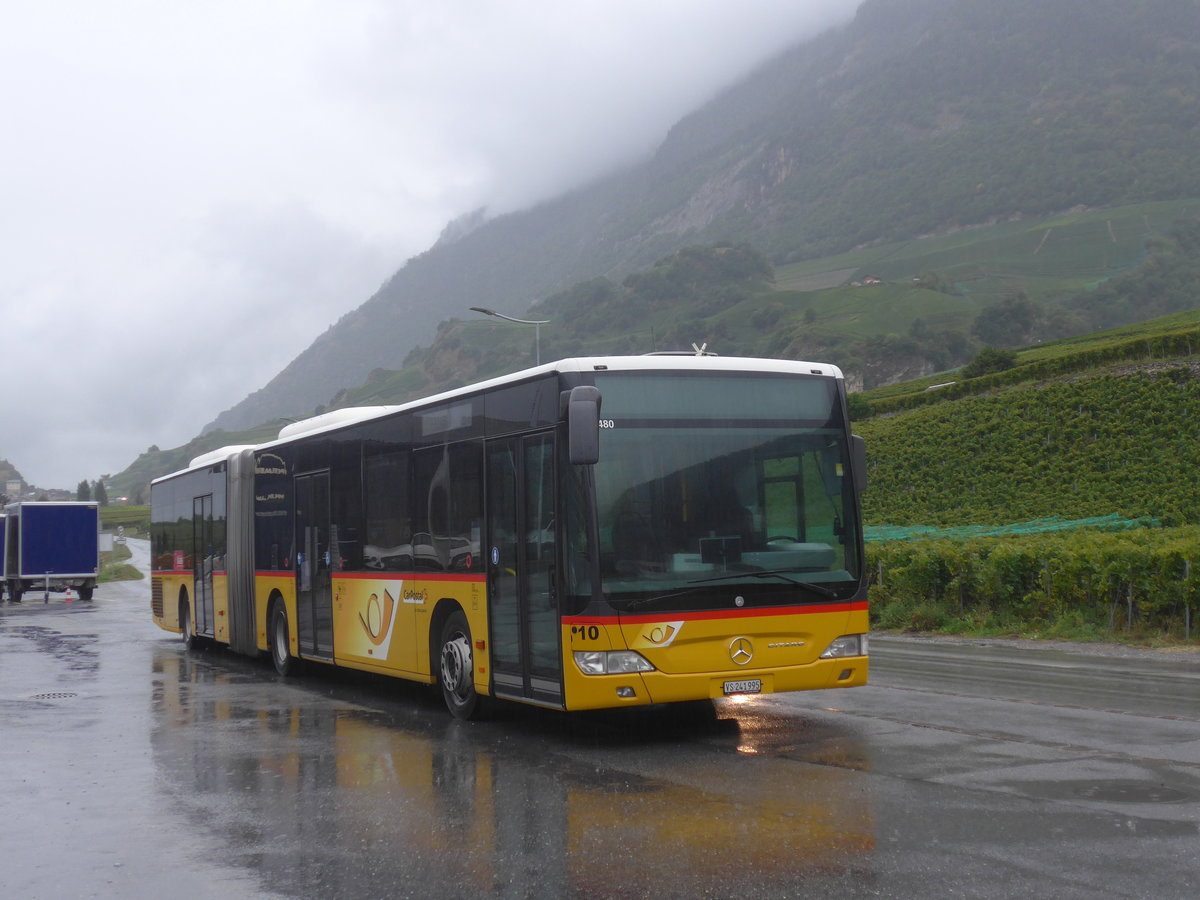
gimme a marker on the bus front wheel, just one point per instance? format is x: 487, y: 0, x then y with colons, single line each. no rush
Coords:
x: 456, y: 673
x: 281, y: 652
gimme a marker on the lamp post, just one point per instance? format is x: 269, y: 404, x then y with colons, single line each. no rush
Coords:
x: 536, y: 323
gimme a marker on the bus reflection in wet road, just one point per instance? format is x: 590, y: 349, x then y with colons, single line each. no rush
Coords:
x: 132, y: 767
x: 319, y: 794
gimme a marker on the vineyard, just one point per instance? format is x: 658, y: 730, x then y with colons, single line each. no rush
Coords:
x: 1100, y: 428
x: 1082, y: 584
x: 1124, y: 444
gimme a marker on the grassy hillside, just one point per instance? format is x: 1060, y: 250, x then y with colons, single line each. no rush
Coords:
x: 1042, y: 257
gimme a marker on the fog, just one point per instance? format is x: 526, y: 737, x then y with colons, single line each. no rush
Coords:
x: 193, y: 192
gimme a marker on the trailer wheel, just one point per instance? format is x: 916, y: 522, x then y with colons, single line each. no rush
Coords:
x: 85, y: 593
x: 281, y: 652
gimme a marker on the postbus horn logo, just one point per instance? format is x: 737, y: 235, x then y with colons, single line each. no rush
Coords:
x: 377, y: 624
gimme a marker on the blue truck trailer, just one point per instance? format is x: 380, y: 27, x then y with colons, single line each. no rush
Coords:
x: 51, y: 546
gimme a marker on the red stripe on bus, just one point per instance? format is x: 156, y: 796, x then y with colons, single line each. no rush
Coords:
x: 718, y: 614
x: 162, y: 573
x: 390, y: 576
x: 415, y: 576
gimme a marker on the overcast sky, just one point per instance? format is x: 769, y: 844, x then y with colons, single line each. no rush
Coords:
x: 192, y: 191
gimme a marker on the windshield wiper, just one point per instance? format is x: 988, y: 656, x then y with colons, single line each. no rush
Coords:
x: 771, y: 573
x: 645, y: 601
x: 818, y: 589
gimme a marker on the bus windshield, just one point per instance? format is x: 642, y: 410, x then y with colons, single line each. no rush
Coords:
x: 724, y: 479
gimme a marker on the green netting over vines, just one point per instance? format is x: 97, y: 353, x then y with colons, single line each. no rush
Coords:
x: 1035, y: 526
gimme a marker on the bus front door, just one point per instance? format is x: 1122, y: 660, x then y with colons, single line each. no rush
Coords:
x: 202, y: 551
x: 314, y: 565
x: 523, y: 607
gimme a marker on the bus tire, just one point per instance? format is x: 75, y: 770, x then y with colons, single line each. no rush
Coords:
x: 456, y: 668
x: 281, y: 648
x: 185, y: 623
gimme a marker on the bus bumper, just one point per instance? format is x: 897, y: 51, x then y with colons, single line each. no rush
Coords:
x: 609, y: 691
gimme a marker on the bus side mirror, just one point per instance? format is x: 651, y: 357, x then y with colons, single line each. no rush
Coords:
x: 858, y: 460
x: 583, y: 425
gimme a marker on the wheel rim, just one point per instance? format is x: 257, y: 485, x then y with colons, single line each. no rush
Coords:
x: 456, y: 667
x: 280, y: 644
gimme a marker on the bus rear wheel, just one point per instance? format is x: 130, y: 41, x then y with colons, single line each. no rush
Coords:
x: 185, y: 625
x: 457, y: 671
x: 281, y: 652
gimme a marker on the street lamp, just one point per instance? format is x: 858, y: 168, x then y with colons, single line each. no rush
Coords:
x: 536, y: 323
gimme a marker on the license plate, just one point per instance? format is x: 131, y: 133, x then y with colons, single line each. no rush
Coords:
x: 751, y: 686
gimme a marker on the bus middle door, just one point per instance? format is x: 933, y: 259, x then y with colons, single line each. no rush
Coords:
x: 526, y: 635
x: 314, y: 566
x: 202, y: 550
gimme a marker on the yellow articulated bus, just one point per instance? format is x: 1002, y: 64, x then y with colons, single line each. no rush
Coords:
x: 587, y: 534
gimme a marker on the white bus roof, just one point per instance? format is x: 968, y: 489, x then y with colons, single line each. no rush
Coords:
x: 340, y: 418
x: 211, y: 458
x: 221, y: 454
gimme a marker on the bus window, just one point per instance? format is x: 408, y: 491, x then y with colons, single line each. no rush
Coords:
x: 447, y: 514
x: 389, y: 539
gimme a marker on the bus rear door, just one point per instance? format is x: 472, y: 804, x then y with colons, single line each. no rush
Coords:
x: 314, y: 564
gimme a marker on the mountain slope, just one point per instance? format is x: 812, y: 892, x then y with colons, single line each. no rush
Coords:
x: 920, y: 116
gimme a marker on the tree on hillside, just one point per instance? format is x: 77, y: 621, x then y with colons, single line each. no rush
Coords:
x: 1010, y: 323
x: 858, y: 406
x: 100, y: 493
x: 83, y: 491
x: 989, y: 360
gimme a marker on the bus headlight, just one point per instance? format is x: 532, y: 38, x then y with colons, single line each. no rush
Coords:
x: 611, y: 662
x: 846, y: 645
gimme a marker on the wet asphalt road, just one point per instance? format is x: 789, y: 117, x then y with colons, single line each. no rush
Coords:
x: 131, y: 768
